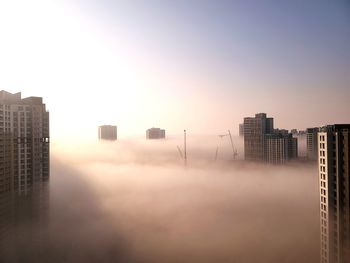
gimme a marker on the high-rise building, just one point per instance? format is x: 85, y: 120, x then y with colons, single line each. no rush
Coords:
x: 334, y: 182
x: 107, y: 132
x: 254, y: 132
x: 311, y: 143
x: 292, y: 147
x: 280, y: 147
x: 24, y: 142
x: 155, y: 133
x: 264, y: 143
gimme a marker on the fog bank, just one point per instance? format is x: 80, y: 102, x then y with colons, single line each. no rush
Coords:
x: 137, y: 203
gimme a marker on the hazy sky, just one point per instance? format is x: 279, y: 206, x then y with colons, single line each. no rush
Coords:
x: 200, y: 65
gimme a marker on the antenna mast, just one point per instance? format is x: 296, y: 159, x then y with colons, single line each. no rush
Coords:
x: 185, y: 149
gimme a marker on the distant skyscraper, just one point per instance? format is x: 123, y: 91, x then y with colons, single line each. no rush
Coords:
x: 241, y: 129
x: 254, y: 132
x: 264, y: 143
x: 311, y: 143
x: 155, y: 133
x: 334, y: 183
x: 107, y: 132
x: 24, y: 142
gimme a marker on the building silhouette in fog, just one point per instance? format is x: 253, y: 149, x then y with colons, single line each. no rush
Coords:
x: 241, y: 129
x: 24, y: 142
x: 311, y: 143
x: 264, y: 143
x: 107, y: 132
x: 334, y: 183
x: 155, y: 133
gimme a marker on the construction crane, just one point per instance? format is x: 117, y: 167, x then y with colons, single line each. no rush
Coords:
x: 234, y: 151
x: 180, y: 152
x: 183, y: 155
x: 216, y: 153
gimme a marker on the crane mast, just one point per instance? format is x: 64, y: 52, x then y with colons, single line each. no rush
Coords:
x: 234, y: 151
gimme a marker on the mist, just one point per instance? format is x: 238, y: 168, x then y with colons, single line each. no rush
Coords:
x: 135, y: 201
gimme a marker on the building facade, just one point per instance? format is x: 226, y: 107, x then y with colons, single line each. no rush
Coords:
x: 280, y: 148
x: 311, y: 143
x: 293, y: 149
x: 276, y: 149
x: 24, y: 170
x: 155, y: 133
x: 24, y: 142
x: 333, y: 163
x: 254, y: 131
x: 107, y: 132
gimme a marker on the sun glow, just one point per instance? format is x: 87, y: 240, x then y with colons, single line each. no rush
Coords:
x: 90, y: 76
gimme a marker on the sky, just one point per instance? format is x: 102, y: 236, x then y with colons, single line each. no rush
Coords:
x: 199, y: 65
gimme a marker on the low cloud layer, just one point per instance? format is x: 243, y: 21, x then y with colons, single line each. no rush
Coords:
x: 136, y: 202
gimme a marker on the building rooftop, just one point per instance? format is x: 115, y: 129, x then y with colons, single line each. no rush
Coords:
x: 335, y: 127
x: 6, y: 96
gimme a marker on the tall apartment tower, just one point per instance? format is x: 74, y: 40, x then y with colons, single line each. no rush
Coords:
x: 280, y: 147
x: 254, y: 132
x: 311, y: 143
x: 24, y: 142
x: 107, y: 132
x: 334, y: 183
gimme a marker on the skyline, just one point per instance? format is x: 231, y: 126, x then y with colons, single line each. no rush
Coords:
x: 202, y: 66
x: 140, y: 203
x: 175, y: 131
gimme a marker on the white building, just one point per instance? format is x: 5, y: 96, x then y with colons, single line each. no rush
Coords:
x: 280, y: 147
x: 333, y: 164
